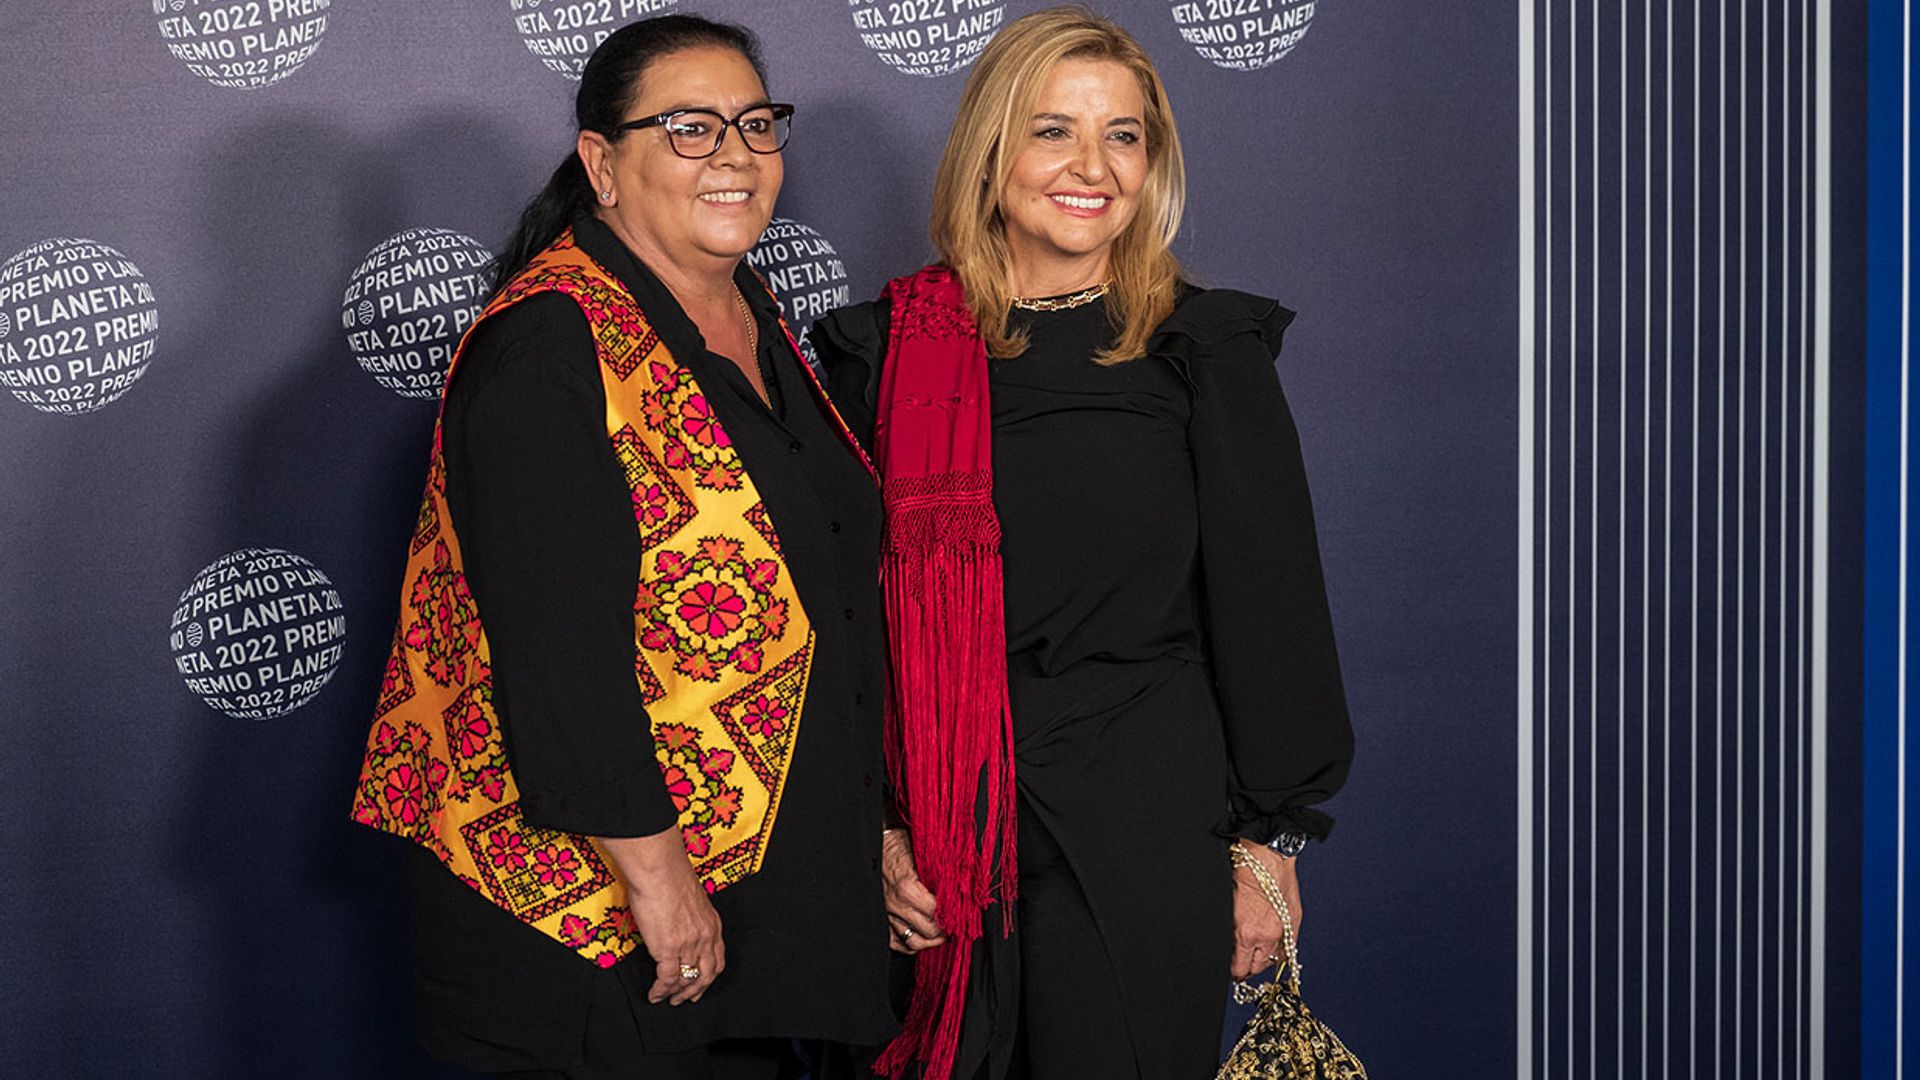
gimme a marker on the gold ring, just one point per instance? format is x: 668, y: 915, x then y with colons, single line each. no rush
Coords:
x: 689, y: 972
x: 906, y: 932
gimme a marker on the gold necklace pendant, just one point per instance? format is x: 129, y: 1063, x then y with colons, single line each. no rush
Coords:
x: 1061, y: 303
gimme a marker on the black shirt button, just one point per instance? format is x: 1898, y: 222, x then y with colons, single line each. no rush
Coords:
x: 859, y: 699
x: 847, y: 614
x: 794, y: 446
x: 833, y: 526
x: 866, y: 779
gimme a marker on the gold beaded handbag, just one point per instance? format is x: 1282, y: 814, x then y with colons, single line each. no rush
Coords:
x: 1283, y: 1041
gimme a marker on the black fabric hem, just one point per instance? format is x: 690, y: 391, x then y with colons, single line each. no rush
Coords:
x: 1263, y: 828
x: 619, y: 808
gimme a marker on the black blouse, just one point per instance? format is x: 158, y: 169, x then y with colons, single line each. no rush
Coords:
x: 546, y: 525
x: 1156, y: 509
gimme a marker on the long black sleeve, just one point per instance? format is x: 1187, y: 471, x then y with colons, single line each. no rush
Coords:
x: 547, y: 532
x: 1269, y: 632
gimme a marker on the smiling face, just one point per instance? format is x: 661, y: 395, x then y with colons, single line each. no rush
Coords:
x: 686, y: 212
x: 1075, y: 179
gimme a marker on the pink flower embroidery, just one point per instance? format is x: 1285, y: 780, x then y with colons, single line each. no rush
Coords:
x: 557, y: 866
x: 766, y: 717
x: 715, y: 763
x: 679, y: 786
x: 471, y: 738
x: 745, y: 656
x: 403, y: 792
x: 385, y: 740
x: 712, y: 608
x: 492, y: 784
x: 650, y: 505
x: 763, y: 575
x: 698, y: 421
x: 672, y: 565
x: 507, y: 849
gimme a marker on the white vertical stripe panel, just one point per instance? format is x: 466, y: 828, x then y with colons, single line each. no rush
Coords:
x: 1666, y: 589
x: 1524, y: 906
x: 1738, y: 866
x: 1620, y: 611
x: 1719, y: 579
x: 1792, y: 1043
x: 1573, y: 430
x: 1817, y: 513
x: 1693, y: 578
x: 1787, y: 534
x: 1822, y: 402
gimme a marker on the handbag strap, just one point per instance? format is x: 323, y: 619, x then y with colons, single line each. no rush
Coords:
x: 1245, y: 858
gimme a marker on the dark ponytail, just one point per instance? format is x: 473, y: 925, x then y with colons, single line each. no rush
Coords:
x: 608, y: 86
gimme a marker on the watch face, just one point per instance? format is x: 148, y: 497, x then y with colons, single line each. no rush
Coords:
x: 1290, y: 844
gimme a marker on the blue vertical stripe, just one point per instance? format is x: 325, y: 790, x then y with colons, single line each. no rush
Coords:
x: 1885, y: 956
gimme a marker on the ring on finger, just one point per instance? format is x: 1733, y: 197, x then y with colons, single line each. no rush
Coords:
x: 689, y: 973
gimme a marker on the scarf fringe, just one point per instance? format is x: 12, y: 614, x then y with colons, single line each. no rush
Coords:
x: 951, y: 729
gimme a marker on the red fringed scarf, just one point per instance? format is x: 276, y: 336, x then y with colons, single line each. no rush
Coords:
x: 948, y: 723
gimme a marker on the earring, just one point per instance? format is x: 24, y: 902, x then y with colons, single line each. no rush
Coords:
x: 607, y: 196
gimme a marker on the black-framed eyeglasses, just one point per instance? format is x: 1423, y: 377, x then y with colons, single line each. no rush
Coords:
x: 698, y: 133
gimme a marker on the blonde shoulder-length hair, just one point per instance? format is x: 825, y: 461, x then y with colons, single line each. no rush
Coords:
x: 988, y: 131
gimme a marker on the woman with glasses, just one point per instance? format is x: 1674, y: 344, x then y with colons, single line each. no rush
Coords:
x: 631, y: 718
x: 1111, y: 647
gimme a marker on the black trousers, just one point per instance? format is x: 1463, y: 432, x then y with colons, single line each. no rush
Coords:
x: 729, y: 1059
x: 613, y: 1052
x: 1117, y: 968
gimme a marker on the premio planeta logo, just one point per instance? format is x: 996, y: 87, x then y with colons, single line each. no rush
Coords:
x: 927, y: 37
x: 563, y: 33
x: 258, y: 633
x: 408, y: 303
x: 1243, y: 35
x: 78, y: 325
x: 242, y: 43
x: 805, y: 273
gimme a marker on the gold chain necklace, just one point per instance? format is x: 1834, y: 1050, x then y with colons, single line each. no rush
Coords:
x: 757, y: 375
x: 1062, y: 303
x: 746, y: 318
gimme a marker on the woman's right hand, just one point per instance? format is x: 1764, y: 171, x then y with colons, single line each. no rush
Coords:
x: 671, y: 913
x: 910, y: 904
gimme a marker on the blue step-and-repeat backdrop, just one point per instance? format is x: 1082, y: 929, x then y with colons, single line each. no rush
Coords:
x: 1579, y: 371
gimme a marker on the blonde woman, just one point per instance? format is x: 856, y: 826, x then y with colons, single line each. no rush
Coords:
x: 1110, y: 637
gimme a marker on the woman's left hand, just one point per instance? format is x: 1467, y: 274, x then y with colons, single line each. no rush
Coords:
x: 1256, y: 926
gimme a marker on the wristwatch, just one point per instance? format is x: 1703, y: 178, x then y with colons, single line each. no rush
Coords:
x: 1290, y: 844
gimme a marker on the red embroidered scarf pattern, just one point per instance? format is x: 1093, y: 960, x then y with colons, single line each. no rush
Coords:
x: 949, y: 729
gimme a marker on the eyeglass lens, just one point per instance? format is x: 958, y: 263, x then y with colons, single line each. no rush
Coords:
x: 698, y: 133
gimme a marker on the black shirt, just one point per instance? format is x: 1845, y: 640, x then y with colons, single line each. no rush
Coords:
x: 1156, y: 510
x: 546, y: 524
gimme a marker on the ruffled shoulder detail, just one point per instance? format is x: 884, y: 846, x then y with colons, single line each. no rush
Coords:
x: 1211, y: 323
x: 858, y: 331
